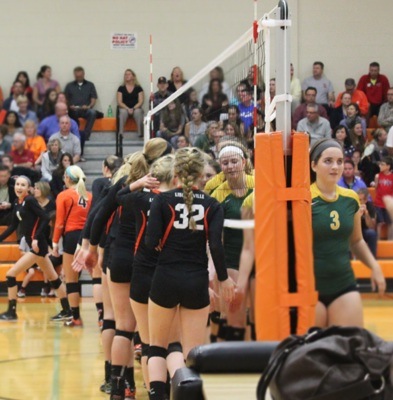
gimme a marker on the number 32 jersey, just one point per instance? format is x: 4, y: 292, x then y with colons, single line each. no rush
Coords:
x: 182, y: 247
x: 332, y: 222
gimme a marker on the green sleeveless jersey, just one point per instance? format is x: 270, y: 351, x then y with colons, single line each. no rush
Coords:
x: 332, y: 222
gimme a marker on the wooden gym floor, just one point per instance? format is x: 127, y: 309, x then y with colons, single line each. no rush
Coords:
x: 43, y: 361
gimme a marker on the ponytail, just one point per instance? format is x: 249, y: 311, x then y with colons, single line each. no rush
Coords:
x: 78, y: 178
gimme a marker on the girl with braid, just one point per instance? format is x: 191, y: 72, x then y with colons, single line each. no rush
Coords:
x: 181, y: 222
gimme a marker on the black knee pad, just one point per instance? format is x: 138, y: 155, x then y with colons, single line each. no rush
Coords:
x: 222, y: 328
x: 234, y: 334
x: 97, y: 281
x: 145, y: 349
x: 156, y: 351
x: 175, y: 347
x: 215, y: 317
x: 11, y: 281
x: 56, y: 283
x: 73, y: 287
x: 125, y: 334
x: 108, y: 324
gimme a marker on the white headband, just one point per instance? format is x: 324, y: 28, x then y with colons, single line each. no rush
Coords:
x: 231, y: 149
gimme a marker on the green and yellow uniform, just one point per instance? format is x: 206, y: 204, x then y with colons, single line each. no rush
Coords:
x: 233, y: 238
x: 213, y: 183
x: 332, y: 222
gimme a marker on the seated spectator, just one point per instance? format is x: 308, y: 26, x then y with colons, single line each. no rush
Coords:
x: 315, y: 125
x: 82, y: 96
x: 296, y: 90
x: 176, y: 82
x: 23, y: 76
x: 51, y: 159
x: 48, y: 106
x: 44, y: 82
x: 353, y: 117
x: 172, y: 122
x: 232, y: 129
x: 130, y: 99
x: 50, y: 125
x: 196, y: 126
x: 348, y: 179
x: 246, y: 108
x: 158, y: 97
x: 385, y: 116
x: 337, y: 114
x: 249, y: 82
x: 182, y: 141
x: 375, y: 86
x: 57, y: 184
x: 5, y: 143
x: 34, y: 143
x: 61, y: 98
x: 10, y: 104
x: 310, y: 95
x: 216, y: 73
x: 368, y: 219
x: 215, y: 102
x: 21, y: 156
x: 357, y: 139
x: 204, y: 142
x: 24, y: 114
x: 7, y: 195
x: 69, y: 142
x: 217, y: 136
x: 341, y: 134
x: 384, y: 187
x: 234, y: 118
x: 190, y: 103
x: 356, y: 157
x: 357, y: 97
x: 11, y: 121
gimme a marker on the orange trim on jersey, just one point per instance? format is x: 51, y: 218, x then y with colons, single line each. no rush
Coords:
x: 110, y: 222
x: 169, y: 227
x: 120, y: 210
x: 206, y: 224
x: 140, y: 234
x: 35, y: 228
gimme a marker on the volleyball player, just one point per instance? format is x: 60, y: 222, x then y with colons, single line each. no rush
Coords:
x: 181, y: 222
x: 72, y: 207
x: 33, y: 220
x: 337, y: 230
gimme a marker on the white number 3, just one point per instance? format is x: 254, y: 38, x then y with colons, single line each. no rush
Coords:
x: 184, y: 222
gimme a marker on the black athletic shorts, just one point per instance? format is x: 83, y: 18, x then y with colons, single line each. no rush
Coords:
x: 175, y: 286
x: 121, y: 264
x: 42, y: 246
x: 326, y: 300
x: 70, y: 241
x: 141, y: 283
x: 107, y: 259
x: 56, y: 261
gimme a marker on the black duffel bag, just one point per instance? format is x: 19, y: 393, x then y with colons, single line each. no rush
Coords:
x: 337, y: 363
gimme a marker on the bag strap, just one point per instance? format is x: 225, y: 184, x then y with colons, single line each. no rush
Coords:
x: 355, y: 391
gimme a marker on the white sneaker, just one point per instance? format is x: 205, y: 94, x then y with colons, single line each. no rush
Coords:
x: 21, y: 294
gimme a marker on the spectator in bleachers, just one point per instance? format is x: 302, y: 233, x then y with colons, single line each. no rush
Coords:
x: 182, y: 141
x: 61, y: 98
x: 234, y: 118
x: 215, y: 102
x: 296, y: 89
x: 249, y: 82
x: 176, y: 82
x: 217, y: 136
x: 310, y: 95
x: 337, y: 114
x: 24, y: 114
x: 5, y: 142
x: 348, y: 179
x: 246, y: 108
x: 385, y: 115
x: 357, y: 138
x: 23, y: 76
x: 57, y: 184
x: 159, y: 96
x: 21, y: 156
x: 368, y: 219
x: 130, y: 98
x: 384, y: 187
x: 70, y: 143
x: 356, y: 157
x: 232, y: 129
x: 51, y: 159
x: 204, y: 142
x: 44, y: 82
x: 10, y: 104
x: 315, y: 125
x: 375, y: 86
x: 196, y: 127
x: 50, y: 125
x: 48, y: 106
x: 357, y: 96
x: 190, y: 103
x: 325, y: 91
x: 82, y: 96
x: 172, y: 122
x: 216, y: 73
x: 7, y: 195
x: 34, y: 143
x: 353, y: 117
x: 11, y: 121
x: 341, y: 134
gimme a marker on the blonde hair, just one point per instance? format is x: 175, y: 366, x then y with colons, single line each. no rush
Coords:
x: 189, y: 166
x: 43, y: 187
x: 29, y: 123
x: 134, y: 74
x: 22, y: 98
x: 124, y: 170
x: 233, y: 141
x: 162, y: 169
x: 77, y: 177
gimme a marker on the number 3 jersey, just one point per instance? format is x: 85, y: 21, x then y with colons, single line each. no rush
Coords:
x: 333, y: 222
x: 182, y: 247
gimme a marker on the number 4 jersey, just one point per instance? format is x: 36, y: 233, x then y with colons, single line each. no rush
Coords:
x: 332, y: 222
x: 182, y: 247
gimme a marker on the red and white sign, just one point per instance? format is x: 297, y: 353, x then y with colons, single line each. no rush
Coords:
x: 123, y: 41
